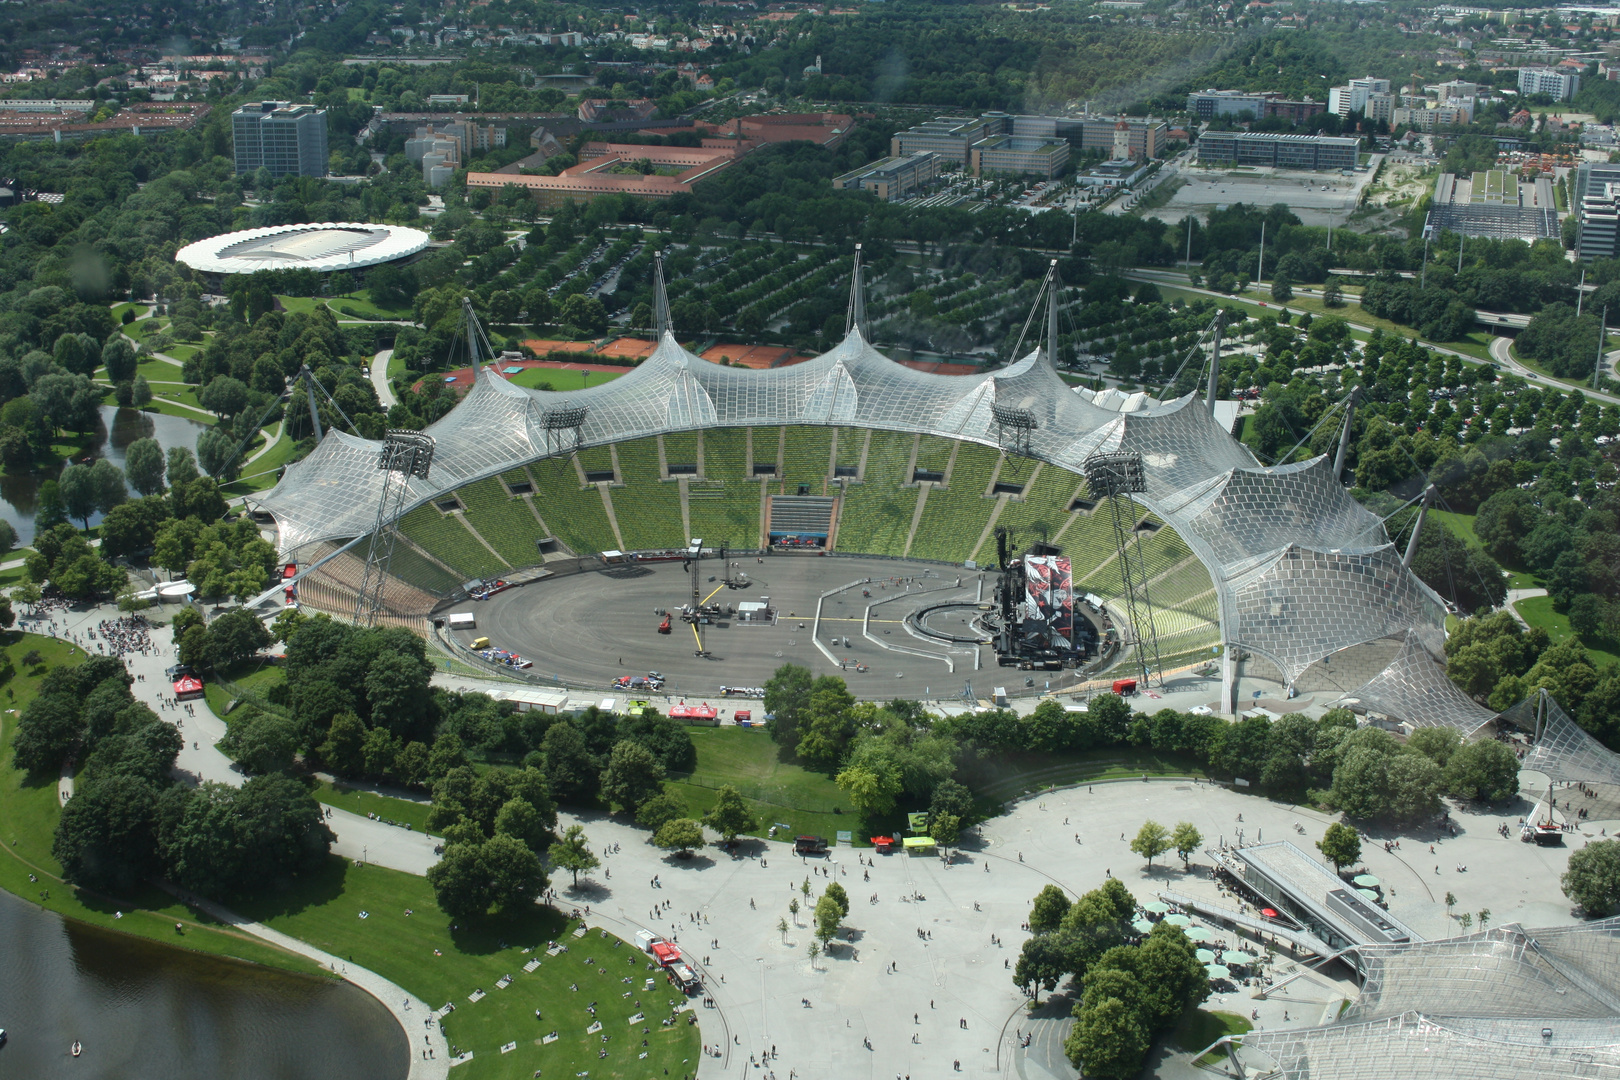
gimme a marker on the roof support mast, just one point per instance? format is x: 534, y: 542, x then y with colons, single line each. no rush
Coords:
x: 1214, y: 367
x: 855, y: 317
x: 314, y: 408
x: 1052, y: 314
x: 1344, y: 436
x: 660, y: 297
x: 1417, y: 529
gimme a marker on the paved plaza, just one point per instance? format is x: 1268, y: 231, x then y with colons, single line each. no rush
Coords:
x: 923, y: 979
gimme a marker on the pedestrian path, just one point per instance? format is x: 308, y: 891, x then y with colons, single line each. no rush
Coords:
x: 414, y: 1015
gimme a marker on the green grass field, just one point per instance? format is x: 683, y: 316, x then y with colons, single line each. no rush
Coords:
x: 404, y: 937
x: 28, y: 814
x: 1201, y: 1027
x: 1538, y: 611
x: 361, y: 307
x: 563, y: 380
x: 1462, y: 526
x: 261, y: 474
x: 358, y: 801
x: 777, y: 791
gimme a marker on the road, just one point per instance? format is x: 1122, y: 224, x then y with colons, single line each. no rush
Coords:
x: 1504, y: 357
x: 379, y: 378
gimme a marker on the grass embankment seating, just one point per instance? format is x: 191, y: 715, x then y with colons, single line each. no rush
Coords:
x: 1045, y: 503
x: 954, y: 517
x: 648, y: 509
x: 805, y: 459
x: 596, y: 458
x: 576, y: 515
x: 876, y: 515
x: 450, y: 542
x: 850, y: 441
x: 681, y: 448
x: 725, y: 508
x: 502, y: 520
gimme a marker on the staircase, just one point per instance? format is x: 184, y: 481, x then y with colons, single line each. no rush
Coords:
x: 805, y: 516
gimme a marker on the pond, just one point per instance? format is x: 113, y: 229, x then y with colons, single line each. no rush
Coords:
x: 119, y: 427
x: 144, y: 1010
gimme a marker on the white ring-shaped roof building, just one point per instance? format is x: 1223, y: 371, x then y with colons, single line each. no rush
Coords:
x: 1301, y: 570
x: 342, y: 245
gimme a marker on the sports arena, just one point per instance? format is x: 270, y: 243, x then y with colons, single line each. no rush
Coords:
x: 851, y: 453
x: 343, y: 245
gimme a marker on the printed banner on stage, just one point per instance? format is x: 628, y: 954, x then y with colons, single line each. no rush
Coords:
x: 1049, y: 588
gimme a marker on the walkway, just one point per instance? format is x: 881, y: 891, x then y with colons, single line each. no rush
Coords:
x: 64, y: 786
x: 1513, y: 598
x: 379, y: 378
x: 412, y: 1013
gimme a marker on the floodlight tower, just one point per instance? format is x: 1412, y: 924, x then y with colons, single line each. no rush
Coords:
x: 1117, y: 477
x: 404, y: 454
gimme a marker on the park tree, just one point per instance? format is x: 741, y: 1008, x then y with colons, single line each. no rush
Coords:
x: 224, y: 396
x: 77, y: 488
x: 945, y: 828
x: 1151, y: 840
x: 344, y: 744
x: 827, y: 915
x: 261, y: 742
x: 459, y: 883
x: 1485, y: 770
x: 632, y: 776
x: 1043, y: 962
x: 873, y: 784
x: 49, y: 731
x: 106, y: 837
x: 951, y: 797
x: 1047, y: 911
x: 680, y: 835
x: 216, y: 452
x: 1592, y: 878
x: 514, y: 872
x: 787, y: 699
x: 1186, y: 838
x: 224, y: 841
x: 571, y: 770
x: 572, y: 852
x: 662, y: 808
x: 143, y: 465
x: 1340, y: 845
x: 839, y: 896
x: 829, y: 724
x: 1108, y: 1041
x: 519, y: 819
x: 235, y: 636
x: 118, y: 357
x: 730, y: 815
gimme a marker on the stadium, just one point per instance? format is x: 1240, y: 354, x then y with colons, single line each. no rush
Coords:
x: 1277, y: 569
x: 321, y: 247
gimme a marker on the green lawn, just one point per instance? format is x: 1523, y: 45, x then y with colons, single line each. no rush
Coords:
x: 364, y: 308
x: 141, y: 329
x: 1538, y: 611
x: 1201, y: 1027
x: 777, y: 791
x: 421, y: 952
x: 358, y: 801
x: 1012, y: 774
x: 181, y: 353
x: 28, y: 815
x: 563, y: 380
x: 129, y: 305
x: 156, y: 371
x: 253, y: 678
x: 306, y: 304
x: 1462, y: 525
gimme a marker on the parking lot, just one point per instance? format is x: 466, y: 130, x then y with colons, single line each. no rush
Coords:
x: 1317, y: 198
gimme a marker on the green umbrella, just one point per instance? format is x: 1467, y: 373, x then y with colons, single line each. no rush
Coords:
x: 1368, y: 895
x: 1366, y: 881
x: 1177, y: 920
x: 1205, y: 956
x: 1158, y: 907
x: 1142, y: 926
x: 1235, y: 958
x: 1216, y: 971
x: 1197, y: 933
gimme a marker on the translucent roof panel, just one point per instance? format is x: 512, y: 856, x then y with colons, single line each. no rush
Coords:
x: 1415, y: 688
x: 1563, y: 751
x: 1413, y: 1046
x: 1304, y: 604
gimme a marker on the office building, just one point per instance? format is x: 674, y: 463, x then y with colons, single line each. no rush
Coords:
x: 1435, y: 117
x: 1599, y: 231
x: 1356, y: 98
x: 1238, y: 104
x: 953, y: 137
x: 1019, y: 155
x: 1280, y: 151
x: 892, y: 177
x: 289, y: 140
x: 1558, y: 85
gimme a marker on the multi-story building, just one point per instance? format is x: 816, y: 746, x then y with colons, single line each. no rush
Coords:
x: 949, y: 137
x: 1435, y: 117
x: 1599, y: 234
x: 1021, y: 155
x: 1558, y: 85
x: 440, y: 148
x: 891, y: 177
x: 1237, y: 104
x: 1344, y: 100
x: 952, y: 137
x: 286, y: 139
x: 1281, y: 151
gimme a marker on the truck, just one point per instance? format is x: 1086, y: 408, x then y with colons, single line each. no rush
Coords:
x: 1124, y: 687
x: 462, y: 620
x: 809, y: 845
